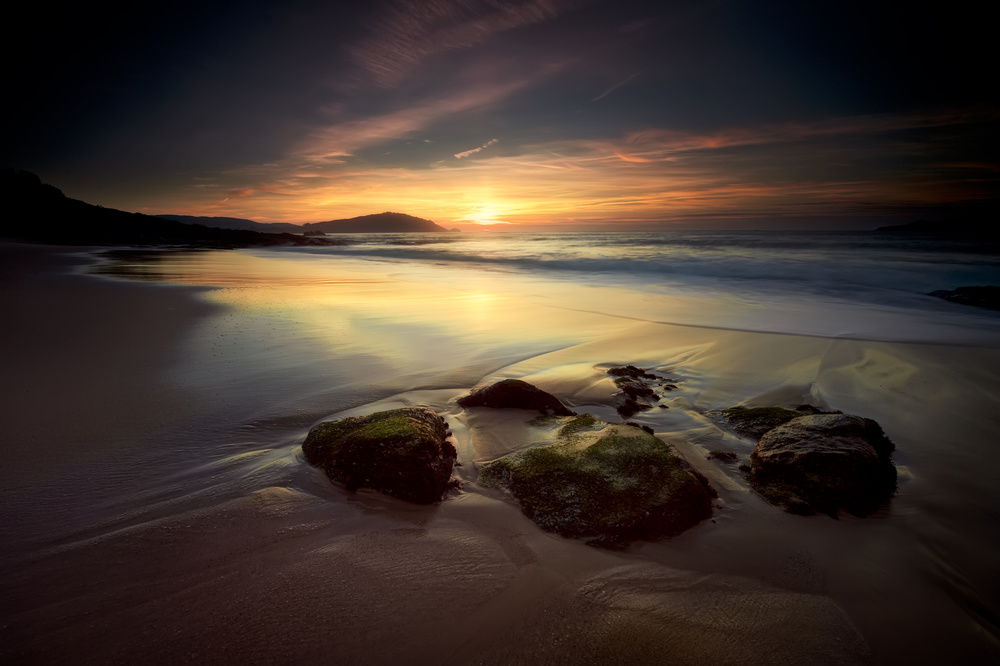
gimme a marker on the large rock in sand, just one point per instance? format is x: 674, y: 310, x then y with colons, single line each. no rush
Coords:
x: 401, y: 452
x: 606, y: 484
x: 824, y: 463
x: 516, y: 394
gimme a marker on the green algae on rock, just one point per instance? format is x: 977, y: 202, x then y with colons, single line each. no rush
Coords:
x: 606, y: 484
x: 753, y: 422
x: 401, y: 452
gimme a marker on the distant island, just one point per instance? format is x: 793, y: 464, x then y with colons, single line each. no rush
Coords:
x: 37, y: 212
x: 949, y: 227
x: 373, y: 224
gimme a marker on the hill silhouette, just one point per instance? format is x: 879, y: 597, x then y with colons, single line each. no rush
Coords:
x: 397, y: 223
x: 376, y: 223
x: 35, y: 211
x: 235, y: 223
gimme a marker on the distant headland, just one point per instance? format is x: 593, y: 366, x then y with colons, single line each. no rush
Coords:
x: 949, y: 227
x: 373, y: 224
x: 37, y: 212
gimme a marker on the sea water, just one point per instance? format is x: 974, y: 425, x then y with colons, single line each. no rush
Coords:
x: 850, y: 284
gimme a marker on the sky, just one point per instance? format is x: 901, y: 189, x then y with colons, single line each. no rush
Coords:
x: 562, y: 114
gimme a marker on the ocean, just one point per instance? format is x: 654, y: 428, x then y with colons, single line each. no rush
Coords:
x: 860, y: 284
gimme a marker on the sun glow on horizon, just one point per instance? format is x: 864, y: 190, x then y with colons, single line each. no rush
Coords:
x: 664, y: 176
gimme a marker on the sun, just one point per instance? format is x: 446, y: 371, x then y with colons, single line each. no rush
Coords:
x: 486, y: 214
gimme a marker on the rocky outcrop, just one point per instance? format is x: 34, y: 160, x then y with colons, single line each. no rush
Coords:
x: 404, y: 453
x: 824, y: 463
x: 981, y: 297
x: 634, y: 392
x: 517, y: 394
x: 606, y: 484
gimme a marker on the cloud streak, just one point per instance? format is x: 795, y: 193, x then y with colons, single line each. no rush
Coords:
x: 486, y: 145
x: 615, y: 87
x: 409, y: 33
x: 340, y: 139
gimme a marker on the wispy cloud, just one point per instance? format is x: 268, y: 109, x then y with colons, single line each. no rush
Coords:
x: 409, y: 32
x: 341, y: 139
x: 615, y: 87
x: 486, y: 145
x: 656, y: 144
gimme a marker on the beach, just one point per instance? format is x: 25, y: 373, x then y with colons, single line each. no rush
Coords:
x: 156, y: 504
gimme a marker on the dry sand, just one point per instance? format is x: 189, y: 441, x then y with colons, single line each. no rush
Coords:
x: 157, y: 507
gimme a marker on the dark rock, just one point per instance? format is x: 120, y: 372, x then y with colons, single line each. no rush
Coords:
x: 607, y: 484
x: 981, y: 297
x: 824, y: 463
x: 640, y: 426
x: 516, y: 394
x: 638, y: 390
x: 753, y: 422
x: 629, y: 407
x: 401, y: 452
x: 631, y: 371
x: 724, y: 456
x: 635, y: 395
x: 812, y: 409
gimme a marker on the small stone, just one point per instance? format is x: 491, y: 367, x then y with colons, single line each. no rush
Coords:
x: 516, y: 394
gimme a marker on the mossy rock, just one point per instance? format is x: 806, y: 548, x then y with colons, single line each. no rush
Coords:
x: 401, y: 452
x: 606, y: 484
x: 753, y: 422
x: 825, y: 463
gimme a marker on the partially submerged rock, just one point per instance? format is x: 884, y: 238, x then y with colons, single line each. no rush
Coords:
x: 634, y: 393
x: 824, y: 463
x: 516, y: 394
x: 631, y: 371
x: 401, y: 452
x: 724, y: 456
x: 607, y: 484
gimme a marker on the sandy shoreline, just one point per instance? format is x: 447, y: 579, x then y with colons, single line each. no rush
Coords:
x: 81, y: 358
x: 138, y: 525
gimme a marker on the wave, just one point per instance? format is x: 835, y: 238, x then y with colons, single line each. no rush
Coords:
x: 864, y: 267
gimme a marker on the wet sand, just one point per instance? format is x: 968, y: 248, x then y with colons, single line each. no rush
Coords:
x: 82, y: 359
x: 156, y: 504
